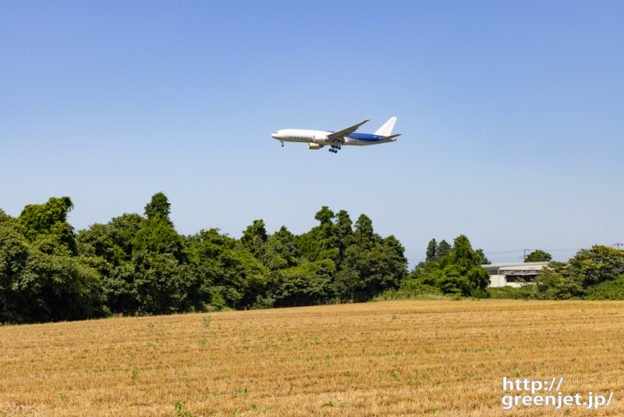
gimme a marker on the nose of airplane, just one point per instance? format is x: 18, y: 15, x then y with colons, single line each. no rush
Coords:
x: 275, y: 135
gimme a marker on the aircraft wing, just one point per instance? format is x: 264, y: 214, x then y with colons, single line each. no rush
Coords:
x: 338, y: 137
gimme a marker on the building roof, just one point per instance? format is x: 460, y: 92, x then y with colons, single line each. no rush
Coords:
x: 516, y: 266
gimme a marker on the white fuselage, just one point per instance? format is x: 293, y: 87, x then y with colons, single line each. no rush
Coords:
x: 302, y: 135
x: 320, y: 137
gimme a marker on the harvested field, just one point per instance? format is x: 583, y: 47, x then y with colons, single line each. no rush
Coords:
x: 412, y: 358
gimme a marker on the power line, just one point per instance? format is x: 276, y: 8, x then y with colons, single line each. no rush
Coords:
x: 545, y: 250
x: 505, y: 251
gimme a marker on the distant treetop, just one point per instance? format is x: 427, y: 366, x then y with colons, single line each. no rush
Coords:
x: 538, y: 256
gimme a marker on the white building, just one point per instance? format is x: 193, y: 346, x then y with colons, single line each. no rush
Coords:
x: 513, y: 274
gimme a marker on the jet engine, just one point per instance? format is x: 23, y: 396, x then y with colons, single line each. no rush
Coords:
x: 314, y: 146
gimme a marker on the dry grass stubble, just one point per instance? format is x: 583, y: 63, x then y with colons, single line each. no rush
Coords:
x: 442, y: 358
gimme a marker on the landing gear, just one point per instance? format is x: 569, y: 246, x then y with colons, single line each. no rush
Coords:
x: 282, y: 143
x: 334, y: 148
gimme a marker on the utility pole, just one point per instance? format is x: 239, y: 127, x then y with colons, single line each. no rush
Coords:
x: 618, y: 245
x: 524, y: 256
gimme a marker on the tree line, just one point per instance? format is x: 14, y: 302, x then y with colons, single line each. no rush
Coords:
x: 139, y: 264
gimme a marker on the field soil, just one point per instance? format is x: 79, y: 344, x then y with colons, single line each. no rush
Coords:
x: 401, y: 358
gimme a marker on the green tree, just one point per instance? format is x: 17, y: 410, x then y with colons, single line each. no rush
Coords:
x: 123, y: 230
x: 367, y: 272
x: 483, y: 260
x: 254, y: 237
x: 327, y: 247
x: 320, y: 242
x: 119, y: 290
x: 109, y: 248
x: 97, y: 241
x: 158, y: 208
x: 431, y: 251
x: 36, y: 286
x: 113, y: 241
x: 364, y: 235
x: 555, y: 282
x: 206, y: 250
x: 325, y: 216
x: 306, y: 284
x: 469, y: 266
x: 442, y: 250
x: 241, y: 280
x: 223, y: 270
x: 462, y: 252
x: 452, y: 279
x: 157, y: 234
x: 595, y: 265
x: 538, y: 256
x: 50, y: 219
x: 4, y: 217
x: 343, y: 231
x: 280, y: 250
x: 14, y: 257
x: 457, y: 270
x: 158, y: 280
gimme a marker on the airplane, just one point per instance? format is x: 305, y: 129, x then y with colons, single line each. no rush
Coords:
x: 316, y: 139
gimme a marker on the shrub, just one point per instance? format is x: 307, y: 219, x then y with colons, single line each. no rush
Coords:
x: 607, y: 290
x: 512, y: 293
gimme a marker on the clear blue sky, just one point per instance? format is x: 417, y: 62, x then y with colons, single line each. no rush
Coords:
x: 512, y: 115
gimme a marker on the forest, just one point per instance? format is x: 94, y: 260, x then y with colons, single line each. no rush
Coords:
x: 140, y: 265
